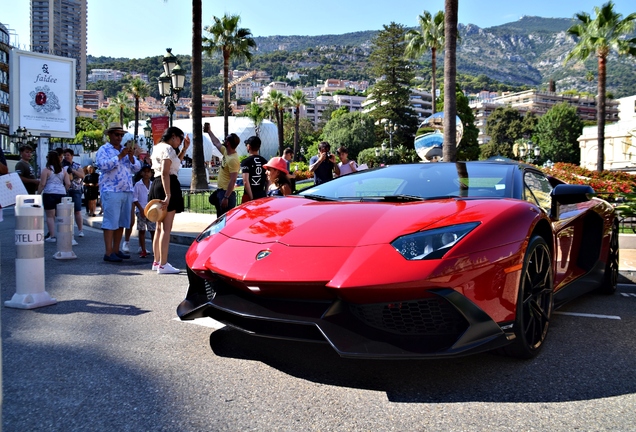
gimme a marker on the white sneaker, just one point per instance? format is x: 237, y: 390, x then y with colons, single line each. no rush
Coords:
x: 50, y: 240
x: 80, y: 234
x: 124, y: 247
x: 167, y: 269
x: 74, y: 242
x: 155, y: 266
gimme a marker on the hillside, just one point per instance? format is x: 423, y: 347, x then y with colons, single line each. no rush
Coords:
x: 528, y: 52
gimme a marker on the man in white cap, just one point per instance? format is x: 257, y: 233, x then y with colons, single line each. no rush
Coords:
x: 117, y: 163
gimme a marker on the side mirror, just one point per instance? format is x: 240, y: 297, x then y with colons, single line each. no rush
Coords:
x: 565, y: 194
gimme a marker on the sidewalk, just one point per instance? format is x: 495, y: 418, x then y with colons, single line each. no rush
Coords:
x: 187, y: 226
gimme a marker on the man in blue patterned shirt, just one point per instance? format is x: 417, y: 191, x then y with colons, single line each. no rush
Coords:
x: 117, y: 163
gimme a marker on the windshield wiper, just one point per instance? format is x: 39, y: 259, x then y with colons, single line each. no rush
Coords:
x: 402, y: 198
x: 319, y: 197
x: 440, y: 197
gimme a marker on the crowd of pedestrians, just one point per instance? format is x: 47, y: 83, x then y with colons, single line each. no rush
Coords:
x: 132, y: 185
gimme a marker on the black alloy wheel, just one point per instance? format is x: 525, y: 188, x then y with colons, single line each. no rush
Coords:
x: 535, y: 301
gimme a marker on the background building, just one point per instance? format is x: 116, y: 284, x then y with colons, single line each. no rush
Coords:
x: 59, y: 27
x: 5, y: 47
x: 537, y: 102
x: 620, y: 140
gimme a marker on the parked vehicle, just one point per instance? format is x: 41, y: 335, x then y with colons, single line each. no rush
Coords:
x: 408, y: 261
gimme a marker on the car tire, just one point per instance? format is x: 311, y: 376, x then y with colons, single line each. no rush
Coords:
x: 534, y: 301
x: 610, y: 278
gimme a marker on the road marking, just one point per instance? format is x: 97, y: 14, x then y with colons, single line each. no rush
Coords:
x: 628, y: 294
x: 614, y: 317
x: 205, y: 322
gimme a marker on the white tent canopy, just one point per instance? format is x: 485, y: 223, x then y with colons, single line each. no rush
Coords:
x: 242, y: 126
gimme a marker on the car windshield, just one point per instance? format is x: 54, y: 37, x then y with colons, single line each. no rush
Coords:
x: 418, y: 182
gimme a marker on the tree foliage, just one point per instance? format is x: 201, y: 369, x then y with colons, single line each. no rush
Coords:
x: 505, y: 126
x: 276, y: 102
x: 257, y: 114
x: 225, y: 36
x: 354, y: 130
x: 557, y: 133
x: 599, y: 36
x: 307, y: 135
x: 138, y: 89
x: 297, y: 99
x: 391, y: 92
x: 430, y: 36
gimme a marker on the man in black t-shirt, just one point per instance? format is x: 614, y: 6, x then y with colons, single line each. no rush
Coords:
x: 323, y: 165
x: 254, y: 177
x: 25, y: 170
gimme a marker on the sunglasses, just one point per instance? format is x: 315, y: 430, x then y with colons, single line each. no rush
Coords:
x: 120, y: 135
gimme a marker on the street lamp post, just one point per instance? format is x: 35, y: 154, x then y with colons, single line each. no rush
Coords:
x: 22, y: 137
x: 148, y: 134
x: 171, y: 81
x: 390, y: 128
x: 528, y: 148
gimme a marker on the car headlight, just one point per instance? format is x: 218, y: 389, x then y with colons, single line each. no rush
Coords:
x: 431, y: 244
x: 214, y: 228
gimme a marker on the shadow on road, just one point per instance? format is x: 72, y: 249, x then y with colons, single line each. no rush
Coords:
x: 574, y: 365
x: 92, y: 307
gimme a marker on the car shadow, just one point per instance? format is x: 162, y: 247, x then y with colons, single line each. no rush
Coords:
x: 565, y: 370
x: 66, y: 307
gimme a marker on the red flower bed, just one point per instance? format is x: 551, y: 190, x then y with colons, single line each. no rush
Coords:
x: 606, y: 183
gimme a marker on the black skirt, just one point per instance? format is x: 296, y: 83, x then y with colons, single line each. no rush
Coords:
x: 176, y: 199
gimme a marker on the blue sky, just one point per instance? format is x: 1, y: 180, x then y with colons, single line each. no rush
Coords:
x: 143, y: 28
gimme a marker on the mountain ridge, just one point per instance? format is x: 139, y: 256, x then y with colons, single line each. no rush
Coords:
x: 528, y: 52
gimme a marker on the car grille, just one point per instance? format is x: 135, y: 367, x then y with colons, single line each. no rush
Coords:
x: 431, y: 316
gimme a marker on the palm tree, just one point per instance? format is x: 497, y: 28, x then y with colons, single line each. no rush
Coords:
x: 257, y: 114
x: 429, y: 36
x: 450, y: 79
x: 199, y: 179
x: 120, y: 104
x: 297, y: 99
x: 233, y: 42
x: 276, y: 103
x: 606, y: 32
x: 138, y: 89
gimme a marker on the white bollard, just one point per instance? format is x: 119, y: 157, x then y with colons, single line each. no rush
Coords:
x: 63, y: 221
x: 29, y: 248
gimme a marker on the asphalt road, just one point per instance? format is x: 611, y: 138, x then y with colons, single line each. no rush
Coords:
x: 110, y: 356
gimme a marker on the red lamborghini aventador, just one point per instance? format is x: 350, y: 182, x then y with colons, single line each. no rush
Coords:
x: 407, y: 261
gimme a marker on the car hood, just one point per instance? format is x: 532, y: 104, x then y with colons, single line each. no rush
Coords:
x: 297, y: 221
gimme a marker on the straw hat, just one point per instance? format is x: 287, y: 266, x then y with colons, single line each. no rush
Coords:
x: 154, y: 212
x: 114, y: 126
x: 278, y: 163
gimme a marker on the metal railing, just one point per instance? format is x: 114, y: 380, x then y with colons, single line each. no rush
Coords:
x: 198, y: 200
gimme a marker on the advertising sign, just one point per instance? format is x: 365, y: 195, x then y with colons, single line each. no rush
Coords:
x: 42, y: 91
x: 11, y: 186
x: 159, y: 126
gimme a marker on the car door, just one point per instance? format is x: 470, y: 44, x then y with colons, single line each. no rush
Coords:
x: 568, y: 229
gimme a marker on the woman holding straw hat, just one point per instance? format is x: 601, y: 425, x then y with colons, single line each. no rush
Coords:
x: 166, y: 161
x: 54, y: 182
x: 277, y: 174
